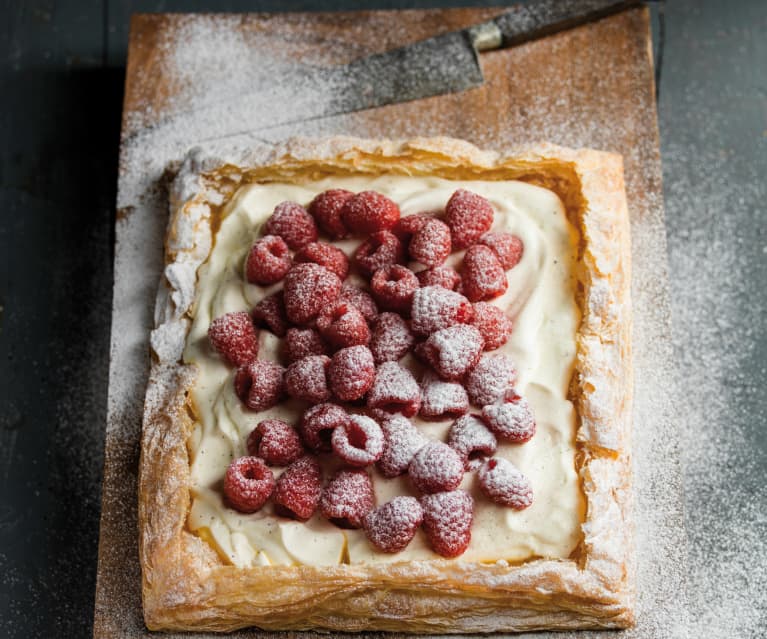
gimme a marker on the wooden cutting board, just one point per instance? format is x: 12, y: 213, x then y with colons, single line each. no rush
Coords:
x: 591, y: 86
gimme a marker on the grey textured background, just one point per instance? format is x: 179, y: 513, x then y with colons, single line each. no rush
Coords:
x: 61, y: 74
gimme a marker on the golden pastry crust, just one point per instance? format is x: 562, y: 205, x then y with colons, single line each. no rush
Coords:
x: 186, y: 586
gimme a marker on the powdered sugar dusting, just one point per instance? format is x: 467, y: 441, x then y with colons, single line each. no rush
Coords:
x: 442, y: 399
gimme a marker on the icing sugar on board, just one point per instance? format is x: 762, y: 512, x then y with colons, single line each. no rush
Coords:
x: 188, y: 78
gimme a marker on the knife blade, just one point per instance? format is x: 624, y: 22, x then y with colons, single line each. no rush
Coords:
x: 447, y: 63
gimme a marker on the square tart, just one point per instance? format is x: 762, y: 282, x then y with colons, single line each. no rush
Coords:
x: 188, y: 583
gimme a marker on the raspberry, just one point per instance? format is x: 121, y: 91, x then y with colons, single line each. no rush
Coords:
x: 270, y: 313
x: 348, y: 498
x: 318, y: 424
x: 342, y: 325
x: 512, y: 420
x: 352, y: 372
x: 298, y: 490
x: 489, y: 380
x: 292, y: 223
x: 505, y: 484
x: 483, y: 277
x: 302, y: 342
x: 469, y: 216
x: 402, y: 441
x: 436, y: 467
x: 358, y: 442
x: 369, y: 212
x: 508, y: 248
x: 395, y: 390
x: 276, y: 442
x: 259, y: 384
x: 306, y: 379
x: 247, y: 484
x: 440, y: 399
x: 452, y: 351
x: 308, y: 289
x: 391, y: 338
x: 326, y: 209
x: 435, y: 308
x: 430, y: 244
x: 332, y: 258
x: 492, y: 323
x: 443, y: 276
x: 361, y: 299
x: 393, y: 288
x: 470, y: 438
x: 391, y: 527
x: 268, y: 261
x: 233, y: 336
x: 379, y: 250
x: 447, y: 519
x: 409, y: 225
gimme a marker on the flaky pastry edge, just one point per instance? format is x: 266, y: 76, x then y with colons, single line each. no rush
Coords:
x: 185, y: 584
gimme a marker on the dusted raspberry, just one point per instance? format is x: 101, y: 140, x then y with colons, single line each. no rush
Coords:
x: 436, y: 467
x: 447, y: 519
x: 452, y: 351
x: 391, y: 527
x: 308, y: 289
x: 306, y: 379
x: 348, y: 498
x: 471, y: 439
x: 292, y: 223
x: 270, y: 313
x: 352, y: 372
x: 318, y: 424
x: 409, y: 225
x: 332, y: 258
x: 435, y: 308
x: 490, y: 379
x: 512, y: 419
x: 443, y: 276
x: 276, y: 442
x: 247, y: 484
x: 393, y: 288
x: 505, y: 484
x: 379, y: 250
x: 361, y: 299
x: 430, y: 245
x: 326, y: 209
x: 359, y: 442
x: 302, y: 342
x: 440, y: 400
x: 342, y: 325
x: 402, y: 441
x: 483, y: 277
x: 259, y: 384
x: 508, y: 248
x: 268, y: 261
x: 391, y: 338
x: 492, y: 323
x: 298, y: 490
x: 369, y: 212
x: 469, y: 217
x: 395, y: 390
x: 233, y: 336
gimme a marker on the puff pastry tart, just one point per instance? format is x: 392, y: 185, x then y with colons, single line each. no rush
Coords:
x: 391, y: 390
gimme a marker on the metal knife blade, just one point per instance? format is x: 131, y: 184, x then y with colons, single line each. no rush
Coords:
x: 447, y: 63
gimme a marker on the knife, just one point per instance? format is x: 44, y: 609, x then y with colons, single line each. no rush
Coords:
x: 447, y: 63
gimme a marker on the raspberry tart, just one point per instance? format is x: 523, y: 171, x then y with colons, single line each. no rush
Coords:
x: 391, y: 390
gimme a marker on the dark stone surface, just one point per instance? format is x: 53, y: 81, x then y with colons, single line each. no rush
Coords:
x: 61, y: 73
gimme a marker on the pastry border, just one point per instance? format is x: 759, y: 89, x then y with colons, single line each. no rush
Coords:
x: 186, y: 586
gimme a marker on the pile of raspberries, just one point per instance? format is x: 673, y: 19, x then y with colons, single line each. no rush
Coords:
x: 342, y: 345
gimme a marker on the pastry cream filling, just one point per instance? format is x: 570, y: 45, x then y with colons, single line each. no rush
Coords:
x: 541, y: 302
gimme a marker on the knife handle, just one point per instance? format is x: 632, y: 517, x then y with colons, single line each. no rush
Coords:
x: 541, y: 18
